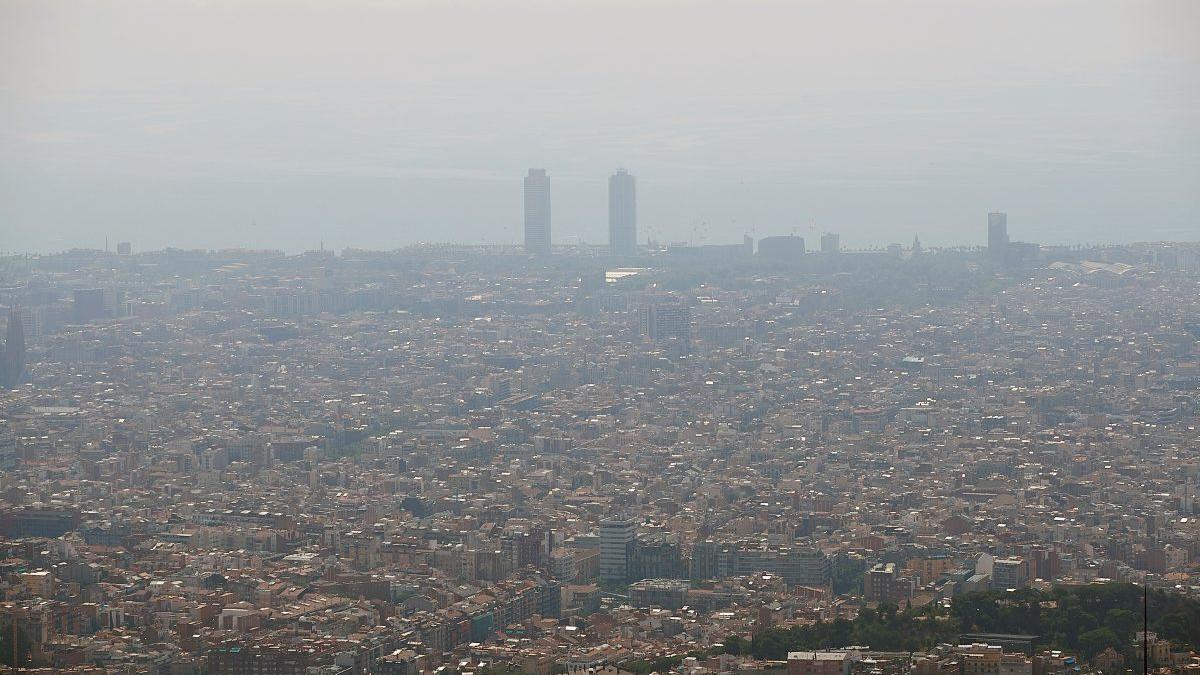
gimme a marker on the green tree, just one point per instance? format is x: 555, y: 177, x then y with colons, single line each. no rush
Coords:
x: 1122, y: 622
x: 1086, y: 620
x: 735, y: 645
x: 1095, y: 641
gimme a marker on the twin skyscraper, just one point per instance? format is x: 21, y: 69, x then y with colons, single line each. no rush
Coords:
x: 622, y: 213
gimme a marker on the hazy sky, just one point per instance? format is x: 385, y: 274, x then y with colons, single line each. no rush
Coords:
x: 377, y: 124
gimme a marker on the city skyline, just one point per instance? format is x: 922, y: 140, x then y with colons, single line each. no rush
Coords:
x: 825, y: 242
x: 114, y: 127
x: 538, y: 238
x: 538, y: 232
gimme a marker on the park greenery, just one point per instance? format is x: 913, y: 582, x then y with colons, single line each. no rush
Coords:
x: 1083, y: 620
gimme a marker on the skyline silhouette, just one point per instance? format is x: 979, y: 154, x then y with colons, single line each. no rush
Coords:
x: 376, y: 124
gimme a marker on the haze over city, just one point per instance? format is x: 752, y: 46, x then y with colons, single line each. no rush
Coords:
x: 385, y: 337
x: 379, y: 124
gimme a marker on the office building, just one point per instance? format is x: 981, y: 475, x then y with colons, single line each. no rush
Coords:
x: 617, y: 536
x: 622, y: 213
x: 88, y: 304
x: 662, y: 321
x: 831, y: 243
x: 665, y: 593
x: 8, y: 447
x: 38, y: 521
x: 704, y: 560
x: 1010, y: 573
x: 655, y: 557
x: 33, y: 321
x: 246, y: 659
x: 820, y: 663
x: 797, y: 565
x: 537, y: 212
x: 789, y: 247
x: 998, y: 237
x: 884, y: 583
x: 12, y: 355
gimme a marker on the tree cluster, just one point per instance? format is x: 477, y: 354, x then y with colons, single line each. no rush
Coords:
x: 1084, y: 620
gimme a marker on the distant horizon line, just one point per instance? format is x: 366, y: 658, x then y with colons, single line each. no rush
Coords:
x: 560, y: 248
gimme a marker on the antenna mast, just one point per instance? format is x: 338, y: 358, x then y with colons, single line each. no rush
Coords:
x: 1145, y: 626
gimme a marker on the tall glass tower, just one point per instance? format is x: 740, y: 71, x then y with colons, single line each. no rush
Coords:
x: 537, y: 212
x: 622, y: 213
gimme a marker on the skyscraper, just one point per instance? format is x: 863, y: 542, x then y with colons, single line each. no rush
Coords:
x: 622, y: 213
x: 537, y: 212
x: 998, y: 236
x: 12, y: 361
x: 617, y: 537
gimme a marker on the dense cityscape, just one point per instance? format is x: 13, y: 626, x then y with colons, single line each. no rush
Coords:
x: 772, y: 456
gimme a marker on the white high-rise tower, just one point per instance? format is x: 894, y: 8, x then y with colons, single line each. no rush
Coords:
x: 537, y: 212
